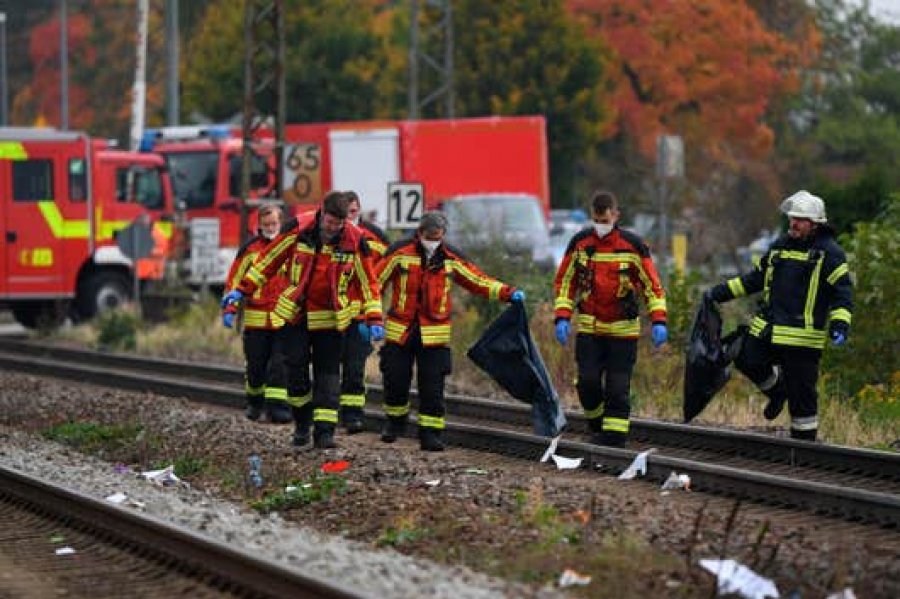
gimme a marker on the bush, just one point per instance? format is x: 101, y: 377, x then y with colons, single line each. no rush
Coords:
x: 870, y: 357
x: 117, y: 329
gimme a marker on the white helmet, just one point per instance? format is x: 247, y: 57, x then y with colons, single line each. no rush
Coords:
x: 805, y: 205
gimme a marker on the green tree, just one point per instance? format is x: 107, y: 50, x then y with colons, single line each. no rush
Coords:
x: 333, y: 59
x: 528, y: 57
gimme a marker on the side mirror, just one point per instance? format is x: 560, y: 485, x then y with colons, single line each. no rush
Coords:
x: 231, y: 204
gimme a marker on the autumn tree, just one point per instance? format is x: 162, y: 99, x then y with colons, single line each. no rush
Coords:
x: 708, y: 71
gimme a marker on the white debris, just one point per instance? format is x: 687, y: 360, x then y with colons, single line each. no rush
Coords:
x: 734, y: 577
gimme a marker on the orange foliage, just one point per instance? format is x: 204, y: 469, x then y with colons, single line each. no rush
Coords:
x: 707, y: 70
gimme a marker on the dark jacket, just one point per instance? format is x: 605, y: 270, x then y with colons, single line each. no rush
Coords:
x: 806, y: 290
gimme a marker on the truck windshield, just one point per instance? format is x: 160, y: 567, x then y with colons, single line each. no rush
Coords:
x: 503, y: 213
x: 194, y: 177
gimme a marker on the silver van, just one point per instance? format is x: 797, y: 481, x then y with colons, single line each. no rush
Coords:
x: 514, y: 222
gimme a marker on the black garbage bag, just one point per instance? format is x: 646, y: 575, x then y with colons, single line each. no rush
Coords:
x: 507, y: 353
x: 709, y: 355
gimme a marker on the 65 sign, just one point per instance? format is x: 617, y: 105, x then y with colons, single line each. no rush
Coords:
x: 406, y: 203
x: 302, y: 173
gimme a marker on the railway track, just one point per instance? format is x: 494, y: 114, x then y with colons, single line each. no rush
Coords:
x: 117, y: 552
x: 846, y: 483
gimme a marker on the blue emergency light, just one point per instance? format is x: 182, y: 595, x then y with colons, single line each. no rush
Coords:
x: 182, y: 133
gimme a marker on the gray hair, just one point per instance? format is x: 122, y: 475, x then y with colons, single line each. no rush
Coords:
x: 432, y: 221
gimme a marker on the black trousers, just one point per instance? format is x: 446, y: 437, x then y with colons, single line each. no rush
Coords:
x: 605, y: 365
x: 264, y: 363
x: 433, y: 364
x: 322, y: 349
x: 799, y: 372
x: 355, y: 352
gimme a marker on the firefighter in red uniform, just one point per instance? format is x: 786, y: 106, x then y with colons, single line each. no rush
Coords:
x: 264, y: 371
x: 357, y: 343
x: 603, y: 272
x: 418, y: 271
x: 324, y: 254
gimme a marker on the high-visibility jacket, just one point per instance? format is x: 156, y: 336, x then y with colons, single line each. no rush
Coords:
x: 378, y: 244
x: 602, y: 277
x: 420, y: 289
x: 319, y: 275
x: 806, y: 289
x: 259, y: 307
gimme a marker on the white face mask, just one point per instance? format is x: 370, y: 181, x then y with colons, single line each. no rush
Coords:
x: 270, y: 235
x: 430, y: 246
x: 603, y: 229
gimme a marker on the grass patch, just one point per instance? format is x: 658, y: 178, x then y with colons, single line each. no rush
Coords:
x: 185, y: 466
x: 404, y: 532
x: 301, y: 493
x: 92, y: 438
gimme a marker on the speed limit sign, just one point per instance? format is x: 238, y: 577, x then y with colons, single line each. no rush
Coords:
x: 406, y: 203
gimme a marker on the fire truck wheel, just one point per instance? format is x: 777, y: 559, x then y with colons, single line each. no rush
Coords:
x: 102, y: 291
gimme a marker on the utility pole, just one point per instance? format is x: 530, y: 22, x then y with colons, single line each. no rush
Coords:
x: 264, y: 39
x: 63, y: 66
x: 669, y: 166
x: 440, y: 64
x: 172, y: 46
x: 139, y: 89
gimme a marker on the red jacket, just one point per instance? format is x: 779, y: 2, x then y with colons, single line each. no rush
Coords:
x: 420, y: 289
x: 258, y: 307
x: 378, y: 244
x: 603, y: 277
x: 320, y: 275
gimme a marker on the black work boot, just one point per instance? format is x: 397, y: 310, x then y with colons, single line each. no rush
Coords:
x: 323, y: 436
x: 430, y: 439
x: 301, y: 426
x: 353, y: 420
x: 393, y: 428
x: 254, y: 407
x: 278, y: 412
x: 774, y: 407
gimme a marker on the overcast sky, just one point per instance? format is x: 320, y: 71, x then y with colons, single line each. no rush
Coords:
x: 887, y: 10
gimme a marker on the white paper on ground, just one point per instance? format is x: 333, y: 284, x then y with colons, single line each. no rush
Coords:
x: 733, y: 577
x: 570, y: 577
x: 117, y: 497
x: 164, y: 477
x: 564, y: 463
x: 551, y: 449
x: 65, y: 551
x: 677, y: 481
x: 845, y: 594
x: 638, y: 466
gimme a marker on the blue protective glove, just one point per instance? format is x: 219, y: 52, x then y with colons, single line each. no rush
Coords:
x: 838, y: 338
x: 518, y: 296
x: 377, y: 332
x: 232, y: 297
x: 228, y: 320
x: 363, y: 329
x: 659, y: 333
x: 562, y: 331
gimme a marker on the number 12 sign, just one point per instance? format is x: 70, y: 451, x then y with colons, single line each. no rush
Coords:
x: 406, y: 202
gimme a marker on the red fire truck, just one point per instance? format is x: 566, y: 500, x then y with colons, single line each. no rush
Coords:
x: 63, y: 198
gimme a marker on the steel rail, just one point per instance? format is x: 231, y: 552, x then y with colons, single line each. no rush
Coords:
x: 878, y: 465
x: 215, y: 563
x: 839, y: 500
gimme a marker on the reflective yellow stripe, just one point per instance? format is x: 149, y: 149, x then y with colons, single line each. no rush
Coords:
x: 615, y: 425
x: 426, y: 421
x: 286, y: 309
x: 401, y: 302
x: 837, y: 273
x: 842, y: 314
x: 394, y: 331
x: 595, y: 413
x: 12, y: 150
x: 736, y: 286
x: 657, y: 304
x: 807, y: 423
x: 811, y: 294
x: 436, y: 334
x: 256, y: 318
x: 320, y: 320
x: 493, y: 287
x: 279, y: 393
x: 792, y: 255
x: 353, y: 400
x: 376, y: 246
x: 565, y: 283
x: 299, y: 402
x: 396, y: 411
x: 61, y: 228
x: 325, y: 415
x: 254, y: 390
x: 563, y: 303
x: 798, y: 337
x: 757, y: 325
x: 620, y: 328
